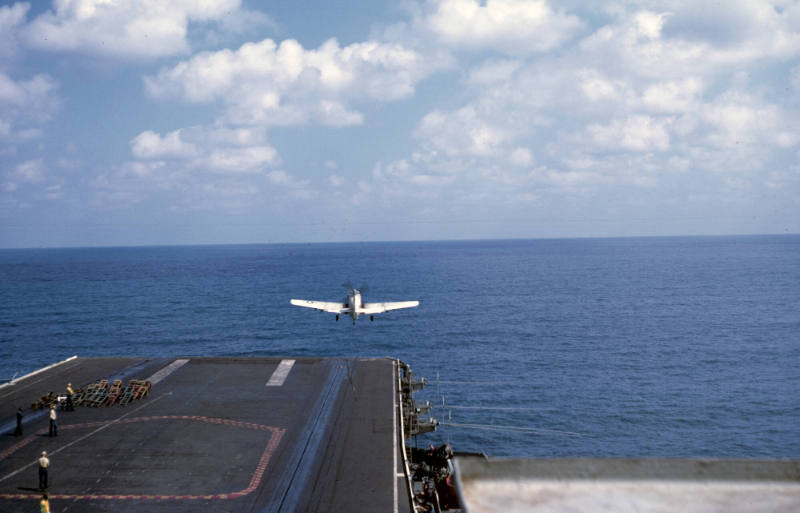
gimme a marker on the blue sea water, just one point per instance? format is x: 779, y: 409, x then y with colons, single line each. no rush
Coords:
x: 669, y: 347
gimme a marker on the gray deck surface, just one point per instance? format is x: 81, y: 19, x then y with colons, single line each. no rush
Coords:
x: 212, y: 437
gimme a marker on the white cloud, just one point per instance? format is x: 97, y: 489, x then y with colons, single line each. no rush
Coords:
x: 25, y: 105
x: 568, y: 178
x: 521, y: 157
x: 53, y: 192
x: 269, y: 84
x: 675, y: 96
x: 33, y: 99
x: 516, y: 27
x: 228, y: 196
x: 596, y: 87
x: 738, y: 21
x: 493, y: 72
x: 155, y: 169
x: 279, y: 177
x: 636, y: 133
x: 336, y: 181
x: 217, y: 149
x: 430, y: 180
x: 10, y: 91
x: 201, y: 168
x: 11, y: 19
x: 400, y: 181
x: 252, y: 159
x: 335, y: 114
x: 132, y: 182
x: 635, y: 103
x: 536, y: 109
x: 465, y: 131
x: 648, y: 24
x: 296, y: 187
x: 125, y: 28
x: 691, y: 40
x: 222, y: 135
x: 399, y: 168
x: 738, y: 118
x: 149, y: 145
x: 229, y: 184
x: 794, y: 79
x: 29, y: 172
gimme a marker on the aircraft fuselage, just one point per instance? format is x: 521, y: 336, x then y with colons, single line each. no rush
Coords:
x: 355, y: 303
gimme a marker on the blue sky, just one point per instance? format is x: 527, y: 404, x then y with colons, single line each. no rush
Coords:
x: 184, y: 122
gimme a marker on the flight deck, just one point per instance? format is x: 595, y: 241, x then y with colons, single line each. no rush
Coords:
x: 212, y: 434
x: 217, y: 434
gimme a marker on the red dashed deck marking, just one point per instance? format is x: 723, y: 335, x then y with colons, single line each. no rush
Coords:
x: 255, y: 480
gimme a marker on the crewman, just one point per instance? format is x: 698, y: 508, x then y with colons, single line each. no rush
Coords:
x: 44, y: 504
x: 69, y: 406
x: 18, y: 431
x: 425, y: 499
x: 44, y: 463
x: 53, y: 426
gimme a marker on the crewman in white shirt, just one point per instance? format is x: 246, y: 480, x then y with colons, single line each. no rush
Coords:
x: 44, y: 463
x: 53, y: 426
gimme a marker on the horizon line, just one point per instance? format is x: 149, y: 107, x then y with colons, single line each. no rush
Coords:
x: 387, y: 241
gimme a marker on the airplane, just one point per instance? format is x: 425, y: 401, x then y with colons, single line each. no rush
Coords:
x: 353, y: 306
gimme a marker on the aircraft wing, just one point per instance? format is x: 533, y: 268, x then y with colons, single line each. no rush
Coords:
x: 375, y: 308
x: 324, y: 306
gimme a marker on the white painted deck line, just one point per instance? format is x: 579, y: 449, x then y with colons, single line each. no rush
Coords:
x: 17, y: 380
x: 394, y: 436
x: 280, y: 374
x: 166, y: 371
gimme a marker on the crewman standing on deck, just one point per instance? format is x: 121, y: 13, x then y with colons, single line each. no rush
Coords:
x: 18, y: 431
x: 44, y: 463
x: 44, y: 504
x: 53, y: 426
x: 69, y: 406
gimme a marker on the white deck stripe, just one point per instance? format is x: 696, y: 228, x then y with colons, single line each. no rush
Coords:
x: 166, y: 371
x: 394, y: 434
x: 280, y: 374
x: 17, y: 380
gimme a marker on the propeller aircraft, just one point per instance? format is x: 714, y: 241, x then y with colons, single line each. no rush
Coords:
x: 354, y: 306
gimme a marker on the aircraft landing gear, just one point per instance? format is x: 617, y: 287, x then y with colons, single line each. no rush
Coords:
x: 371, y: 318
x: 337, y: 317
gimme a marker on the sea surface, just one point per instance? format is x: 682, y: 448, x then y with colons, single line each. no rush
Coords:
x: 651, y: 347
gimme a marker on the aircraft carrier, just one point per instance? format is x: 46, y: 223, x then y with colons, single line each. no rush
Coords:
x: 213, y: 435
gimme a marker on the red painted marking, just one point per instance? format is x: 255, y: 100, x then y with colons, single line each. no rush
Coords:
x: 17, y: 446
x: 255, y: 481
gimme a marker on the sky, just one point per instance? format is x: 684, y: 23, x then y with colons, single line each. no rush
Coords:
x: 224, y: 121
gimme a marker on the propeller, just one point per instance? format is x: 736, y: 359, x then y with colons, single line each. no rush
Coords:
x: 349, y: 286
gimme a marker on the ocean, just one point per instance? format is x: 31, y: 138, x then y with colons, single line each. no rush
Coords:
x: 628, y: 347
